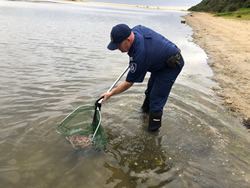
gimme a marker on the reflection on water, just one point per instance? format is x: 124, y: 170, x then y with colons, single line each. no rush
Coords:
x: 196, y: 147
x: 54, y: 59
x: 140, y: 162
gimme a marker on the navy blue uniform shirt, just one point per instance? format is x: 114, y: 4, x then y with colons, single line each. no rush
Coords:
x: 148, y: 53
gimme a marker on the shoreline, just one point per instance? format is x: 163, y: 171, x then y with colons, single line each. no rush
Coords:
x: 127, y: 5
x: 226, y: 42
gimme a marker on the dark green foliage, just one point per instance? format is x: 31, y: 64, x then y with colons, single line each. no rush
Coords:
x: 243, y: 13
x: 221, y: 5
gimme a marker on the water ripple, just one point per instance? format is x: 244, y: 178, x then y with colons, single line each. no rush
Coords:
x: 54, y: 59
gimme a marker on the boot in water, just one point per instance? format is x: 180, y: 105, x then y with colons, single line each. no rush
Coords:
x: 154, y: 121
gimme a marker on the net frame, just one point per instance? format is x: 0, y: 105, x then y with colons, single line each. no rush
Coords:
x: 81, y: 134
x: 97, y: 108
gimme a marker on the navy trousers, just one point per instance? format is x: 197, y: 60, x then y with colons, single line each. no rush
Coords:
x: 159, y: 87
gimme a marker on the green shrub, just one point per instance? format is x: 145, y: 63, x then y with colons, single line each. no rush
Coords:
x: 246, y: 4
x: 231, y: 8
x: 220, y: 5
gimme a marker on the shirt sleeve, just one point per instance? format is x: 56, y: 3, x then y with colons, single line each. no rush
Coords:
x: 138, y: 68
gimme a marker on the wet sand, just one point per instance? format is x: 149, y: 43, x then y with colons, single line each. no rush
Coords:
x: 227, y: 43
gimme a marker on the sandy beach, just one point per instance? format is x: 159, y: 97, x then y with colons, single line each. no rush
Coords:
x: 227, y: 43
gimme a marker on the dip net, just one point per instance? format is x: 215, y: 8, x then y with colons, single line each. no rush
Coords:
x: 82, y: 127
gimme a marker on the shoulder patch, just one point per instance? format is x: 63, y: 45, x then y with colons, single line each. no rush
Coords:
x: 133, y: 67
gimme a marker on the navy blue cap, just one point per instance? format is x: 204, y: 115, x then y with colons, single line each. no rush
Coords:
x: 118, y: 34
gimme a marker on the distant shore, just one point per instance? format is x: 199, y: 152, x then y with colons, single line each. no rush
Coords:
x: 127, y: 5
x: 227, y: 44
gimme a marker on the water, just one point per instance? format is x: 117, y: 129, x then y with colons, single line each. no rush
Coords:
x: 54, y: 59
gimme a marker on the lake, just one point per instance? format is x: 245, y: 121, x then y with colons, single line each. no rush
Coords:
x: 54, y: 59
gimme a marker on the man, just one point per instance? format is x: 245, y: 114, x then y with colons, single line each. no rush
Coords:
x: 148, y: 52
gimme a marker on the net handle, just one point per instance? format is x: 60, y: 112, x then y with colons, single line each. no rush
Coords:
x: 117, y: 80
x: 113, y: 85
x: 99, y: 101
x: 99, y: 123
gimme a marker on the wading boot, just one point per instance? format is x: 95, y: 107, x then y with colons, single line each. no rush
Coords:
x: 154, y: 121
x: 145, y: 106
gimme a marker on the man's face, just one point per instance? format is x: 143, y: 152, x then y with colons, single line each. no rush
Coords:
x: 124, y: 46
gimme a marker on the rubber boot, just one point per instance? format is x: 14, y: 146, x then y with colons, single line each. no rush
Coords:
x: 145, y: 107
x: 154, y: 121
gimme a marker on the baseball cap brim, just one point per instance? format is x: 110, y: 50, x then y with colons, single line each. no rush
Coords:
x: 113, y: 46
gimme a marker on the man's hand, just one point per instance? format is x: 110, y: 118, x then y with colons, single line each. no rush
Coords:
x: 120, y: 88
x: 106, y: 96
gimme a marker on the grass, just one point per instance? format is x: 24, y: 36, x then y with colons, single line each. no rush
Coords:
x: 241, y: 14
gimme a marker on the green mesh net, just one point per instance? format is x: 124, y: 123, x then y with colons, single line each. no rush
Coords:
x: 83, y: 126
x: 79, y: 127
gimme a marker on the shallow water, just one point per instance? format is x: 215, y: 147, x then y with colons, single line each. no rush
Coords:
x: 54, y: 59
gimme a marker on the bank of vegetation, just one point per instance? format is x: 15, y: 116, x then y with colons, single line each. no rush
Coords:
x: 239, y: 9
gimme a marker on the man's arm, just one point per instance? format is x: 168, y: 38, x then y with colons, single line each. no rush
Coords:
x: 119, y: 89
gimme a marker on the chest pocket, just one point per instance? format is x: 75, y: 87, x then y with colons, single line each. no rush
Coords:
x: 147, y: 36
